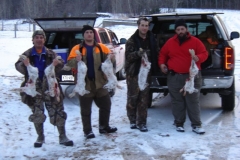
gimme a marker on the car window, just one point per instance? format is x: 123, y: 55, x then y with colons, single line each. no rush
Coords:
x: 51, y: 38
x: 78, y: 36
x: 113, y: 38
x: 104, y: 37
x: 194, y: 28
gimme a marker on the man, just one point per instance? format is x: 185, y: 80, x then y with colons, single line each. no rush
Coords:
x: 142, y: 41
x: 40, y: 56
x: 93, y: 54
x: 175, y: 60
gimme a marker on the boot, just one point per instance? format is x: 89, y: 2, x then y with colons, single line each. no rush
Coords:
x: 63, y: 140
x: 41, y: 139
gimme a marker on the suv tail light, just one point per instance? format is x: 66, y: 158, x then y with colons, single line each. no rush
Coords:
x: 229, y: 58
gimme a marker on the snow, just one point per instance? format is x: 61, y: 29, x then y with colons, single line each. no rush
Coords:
x: 17, y: 134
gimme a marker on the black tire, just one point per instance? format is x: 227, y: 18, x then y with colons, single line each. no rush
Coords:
x: 75, y: 99
x: 150, y: 96
x: 122, y: 74
x: 228, y: 101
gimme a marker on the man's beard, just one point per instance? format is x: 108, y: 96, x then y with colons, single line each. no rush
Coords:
x: 143, y: 34
x: 182, y: 37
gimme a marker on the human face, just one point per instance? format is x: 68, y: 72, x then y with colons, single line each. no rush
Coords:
x: 143, y: 27
x: 38, y: 41
x: 88, y: 36
x: 181, y: 31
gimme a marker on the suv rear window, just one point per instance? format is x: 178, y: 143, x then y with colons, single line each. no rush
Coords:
x: 57, y: 40
x: 64, y: 24
x: 194, y: 28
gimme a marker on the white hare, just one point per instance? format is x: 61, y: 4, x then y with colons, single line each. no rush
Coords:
x: 193, y: 71
x: 107, y: 68
x: 53, y: 88
x: 30, y: 86
x: 143, y: 72
x: 81, y: 74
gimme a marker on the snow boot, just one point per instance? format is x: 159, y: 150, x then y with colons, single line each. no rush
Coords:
x: 180, y: 129
x: 142, y: 127
x: 41, y: 139
x: 89, y: 135
x: 63, y: 140
x: 108, y: 130
x: 133, y: 126
x: 198, y: 130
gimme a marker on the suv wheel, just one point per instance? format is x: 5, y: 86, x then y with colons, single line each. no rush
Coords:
x: 228, y: 101
x: 122, y: 74
x: 150, y: 96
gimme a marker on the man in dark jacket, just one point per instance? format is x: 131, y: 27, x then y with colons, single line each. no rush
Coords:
x: 175, y: 59
x: 41, y: 57
x: 142, y: 41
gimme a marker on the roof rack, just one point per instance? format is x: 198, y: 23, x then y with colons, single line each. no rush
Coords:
x: 181, y: 14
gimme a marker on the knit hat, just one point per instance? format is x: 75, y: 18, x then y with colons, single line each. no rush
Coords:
x: 180, y: 22
x: 87, y: 27
x: 39, y: 32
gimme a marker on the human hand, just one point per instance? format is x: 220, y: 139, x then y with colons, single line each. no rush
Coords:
x: 79, y: 55
x: 112, y: 56
x: 56, y: 60
x: 140, y: 52
x: 194, y: 57
x: 25, y: 60
x: 164, y: 68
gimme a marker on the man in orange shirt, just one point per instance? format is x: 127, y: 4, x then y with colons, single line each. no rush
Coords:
x: 93, y: 54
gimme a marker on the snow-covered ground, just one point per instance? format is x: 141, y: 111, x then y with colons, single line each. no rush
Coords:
x: 162, y: 142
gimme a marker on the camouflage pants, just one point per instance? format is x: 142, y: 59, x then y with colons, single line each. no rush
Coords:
x: 38, y: 103
x: 137, y: 101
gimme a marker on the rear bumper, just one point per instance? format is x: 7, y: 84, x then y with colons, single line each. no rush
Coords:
x: 207, y: 83
x: 217, y: 82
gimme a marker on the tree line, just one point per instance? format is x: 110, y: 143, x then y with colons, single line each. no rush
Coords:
x: 10, y: 9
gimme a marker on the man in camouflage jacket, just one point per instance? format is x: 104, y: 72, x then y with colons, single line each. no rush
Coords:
x: 137, y: 101
x: 40, y: 56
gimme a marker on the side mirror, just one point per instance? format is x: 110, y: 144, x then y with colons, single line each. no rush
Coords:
x: 123, y: 40
x: 234, y: 35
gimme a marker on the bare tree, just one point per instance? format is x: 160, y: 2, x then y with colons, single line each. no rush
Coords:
x: 60, y: 8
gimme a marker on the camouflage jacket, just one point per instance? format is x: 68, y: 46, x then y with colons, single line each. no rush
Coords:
x: 20, y: 67
x: 133, y: 60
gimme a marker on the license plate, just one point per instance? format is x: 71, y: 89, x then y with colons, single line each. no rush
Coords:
x: 67, y: 78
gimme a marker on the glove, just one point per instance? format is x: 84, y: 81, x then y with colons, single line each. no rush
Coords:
x: 140, y: 53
